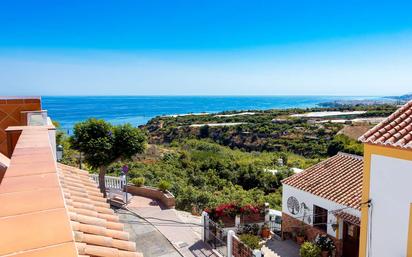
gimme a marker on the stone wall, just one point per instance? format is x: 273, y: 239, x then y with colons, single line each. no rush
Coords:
x: 290, y: 225
x: 166, y: 198
x: 240, y: 249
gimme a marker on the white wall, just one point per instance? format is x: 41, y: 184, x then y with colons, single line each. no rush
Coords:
x: 391, y: 195
x: 310, y: 200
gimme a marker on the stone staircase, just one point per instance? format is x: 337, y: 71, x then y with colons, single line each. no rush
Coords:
x: 268, y: 252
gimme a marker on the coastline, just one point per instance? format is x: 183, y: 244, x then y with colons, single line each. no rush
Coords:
x: 138, y: 110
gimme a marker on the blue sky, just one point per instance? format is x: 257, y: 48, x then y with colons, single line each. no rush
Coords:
x: 151, y: 47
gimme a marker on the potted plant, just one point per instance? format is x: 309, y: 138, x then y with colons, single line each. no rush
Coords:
x: 164, y: 185
x: 265, y: 230
x: 301, y: 233
x: 325, y: 244
x: 309, y: 249
x: 139, y: 181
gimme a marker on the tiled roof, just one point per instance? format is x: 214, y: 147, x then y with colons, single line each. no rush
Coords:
x: 338, y: 179
x: 97, y: 230
x: 54, y: 210
x: 396, y: 130
x: 348, y: 217
x: 33, y: 217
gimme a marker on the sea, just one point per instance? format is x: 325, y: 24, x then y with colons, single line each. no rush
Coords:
x: 138, y: 110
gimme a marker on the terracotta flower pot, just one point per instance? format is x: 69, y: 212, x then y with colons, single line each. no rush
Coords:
x: 300, y: 240
x: 265, y: 232
x: 324, y: 253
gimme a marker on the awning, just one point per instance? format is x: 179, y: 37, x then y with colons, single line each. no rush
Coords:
x: 347, y: 217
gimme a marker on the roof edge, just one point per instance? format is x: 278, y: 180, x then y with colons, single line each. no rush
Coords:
x: 364, y: 137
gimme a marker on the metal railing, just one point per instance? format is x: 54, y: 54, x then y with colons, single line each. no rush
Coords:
x: 216, y: 236
x: 110, y: 181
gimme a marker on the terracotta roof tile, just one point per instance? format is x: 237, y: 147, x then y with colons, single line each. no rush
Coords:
x: 28, y: 183
x: 60, y: 250
x: 54, y: 210
x: 338, y: 179
x: 396, y: 130
x: 97, y: 230
x: 30, y: 201
x: 34, y: 230
x: 33, y: 217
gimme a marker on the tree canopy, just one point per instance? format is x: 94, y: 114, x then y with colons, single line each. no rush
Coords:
x: 102, y: 143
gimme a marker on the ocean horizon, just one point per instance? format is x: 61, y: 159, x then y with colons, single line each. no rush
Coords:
x: 138, y: 110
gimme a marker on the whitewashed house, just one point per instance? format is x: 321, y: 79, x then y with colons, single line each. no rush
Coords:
x: 386, y: 228
x: 327, y: 198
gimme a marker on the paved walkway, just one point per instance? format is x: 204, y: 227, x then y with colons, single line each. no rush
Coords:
x: 183, y: 232
x: 149, y: 240
x: 279, y: 248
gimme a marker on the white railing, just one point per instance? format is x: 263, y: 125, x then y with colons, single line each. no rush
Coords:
x: 110, y: 181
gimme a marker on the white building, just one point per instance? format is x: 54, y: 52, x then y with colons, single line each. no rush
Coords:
x: 386, y: 228
x: 327, y: 198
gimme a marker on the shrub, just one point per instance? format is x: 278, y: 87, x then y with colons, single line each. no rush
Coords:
x: 164, y: 185
x: 138, y: 181
x: 251, y: 241
x: 252, y: 229
x: 324, y: 243
x: 309, y: 249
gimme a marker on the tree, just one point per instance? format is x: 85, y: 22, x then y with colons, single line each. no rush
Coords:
x: 69, y: 154
x: 102, y: 144
x: 204, y: 131
x: 335, y: 147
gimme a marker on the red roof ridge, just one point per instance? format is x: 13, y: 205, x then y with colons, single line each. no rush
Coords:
x: 358, y: 157
x: 395, y: 130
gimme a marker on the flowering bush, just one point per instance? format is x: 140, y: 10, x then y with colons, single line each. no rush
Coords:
x: 228, y: 209
x: 249, y: 209
x: 233, y: 209
x: 324, y: 243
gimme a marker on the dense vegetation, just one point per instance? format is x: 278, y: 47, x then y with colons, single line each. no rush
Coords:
x: 207, y: 166
x: 205, y: 174
x: 271, y: 130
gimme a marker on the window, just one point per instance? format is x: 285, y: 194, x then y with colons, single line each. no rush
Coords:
x: 320, y: 218
x: 278, y: 220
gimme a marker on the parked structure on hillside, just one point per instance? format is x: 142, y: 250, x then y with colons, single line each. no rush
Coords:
x: 386, y: 228
x: 325, y: 199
